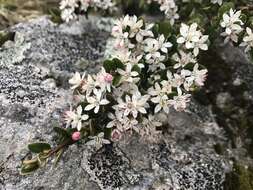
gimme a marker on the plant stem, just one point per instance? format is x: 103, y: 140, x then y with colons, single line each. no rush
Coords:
x: 59, y: 147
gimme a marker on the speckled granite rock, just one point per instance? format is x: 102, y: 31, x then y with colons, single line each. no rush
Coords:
x: 33, y: 93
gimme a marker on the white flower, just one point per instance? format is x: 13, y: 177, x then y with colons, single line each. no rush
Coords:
x: 104, y: 80
x: 134, y: 25
x: 133, y: 105
x: 75, y: 118
x: 85, y: 4
x: 192, y: 38
x: 180, y: 101
x: 115, y: 121
x: 68, y: 7
x: 182, y: 59
x: 129, y: 124
x: 163, y: 46
x: 77, y: 80
x: 232, y: 24
x: 68, y: 14
x: 89, y: 85
x: 160, y: 98
x: 200, y: 44
x: 217, y: 1
x: 248, y: 40
x: 151, y: 46
x: 128, y: 75
x: 199, y: 75
x: 68, y: 4
x: 98, y: 141
x: 95, y: 101
x: 144, y: 33
x: 103, y: 4
x: 170, y: 9
x: 189, y: 35
x: 154, y: 48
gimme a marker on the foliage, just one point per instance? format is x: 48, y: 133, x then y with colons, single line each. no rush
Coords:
x: 153, y: 69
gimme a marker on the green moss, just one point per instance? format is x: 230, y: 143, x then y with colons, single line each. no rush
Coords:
x: 55, y: 15
x: 219, y: 148
x: 239, y: 179
x: 5, y: 36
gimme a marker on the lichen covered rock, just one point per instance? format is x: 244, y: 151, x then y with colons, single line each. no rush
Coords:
x: 34, y: 70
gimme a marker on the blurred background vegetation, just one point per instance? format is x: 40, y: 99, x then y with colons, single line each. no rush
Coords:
x: 15, y: 11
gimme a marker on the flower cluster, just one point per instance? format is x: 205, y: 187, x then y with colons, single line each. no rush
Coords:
x: 169, y: 8
x: 191, y: 38
x: 217, y: 1
x: 140, y: 81
x: 248, y: 40
x: 69, y: 7
x: 232, y: 24
x: 212, y: 1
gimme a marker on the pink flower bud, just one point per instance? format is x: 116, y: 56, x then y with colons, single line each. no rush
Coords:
x: 108, y: 78
x: 116, y: 135
x: 76, y: 136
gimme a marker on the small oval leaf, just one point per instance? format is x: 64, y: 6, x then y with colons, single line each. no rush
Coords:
x: 39, y: 147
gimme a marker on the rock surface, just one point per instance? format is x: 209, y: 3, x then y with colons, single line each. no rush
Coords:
x: 34, y: 70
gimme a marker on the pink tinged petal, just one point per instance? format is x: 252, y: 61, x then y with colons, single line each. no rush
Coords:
x: 134, y: 73
x: 89, y: 107
x: 195, y: 38
x: 228, y: 31
x: 180, y: 40
x: 188, y: 45
x: 249, y: 31
x: 79, y: 126
x: 203, y: 47
x: 196, y: 51
x: 164, y: 50
x: 79, y: 110
x: 155, y: 100
x: 91, y: 99
x: 110, y: 124
x: 226, y: 18
x: 142, y: 110
x: 166, y: 109
x: 104, y: 102
x: 135, y: 113
x: 184, y: 29
x: 105, y: 141
x: 157, y: 108
x: 96, y: 109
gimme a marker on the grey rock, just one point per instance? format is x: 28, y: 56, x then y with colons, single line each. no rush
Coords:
x: 34, y: 93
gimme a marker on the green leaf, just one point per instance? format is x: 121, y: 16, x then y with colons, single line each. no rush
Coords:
x: 39, y: 147
x: 225, y: 8
x: 29, y: 168
x: 113, y: 65
x: 55, y: 15
x: 116, y: 80
x: 61, y: 131
x: 244, y: 18
x: 136, y: 68
x: 70, y: 131
x: 164, y: 28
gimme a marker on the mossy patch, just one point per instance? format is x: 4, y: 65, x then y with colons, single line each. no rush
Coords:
x: 6, y: 36
x: 240, y: 178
